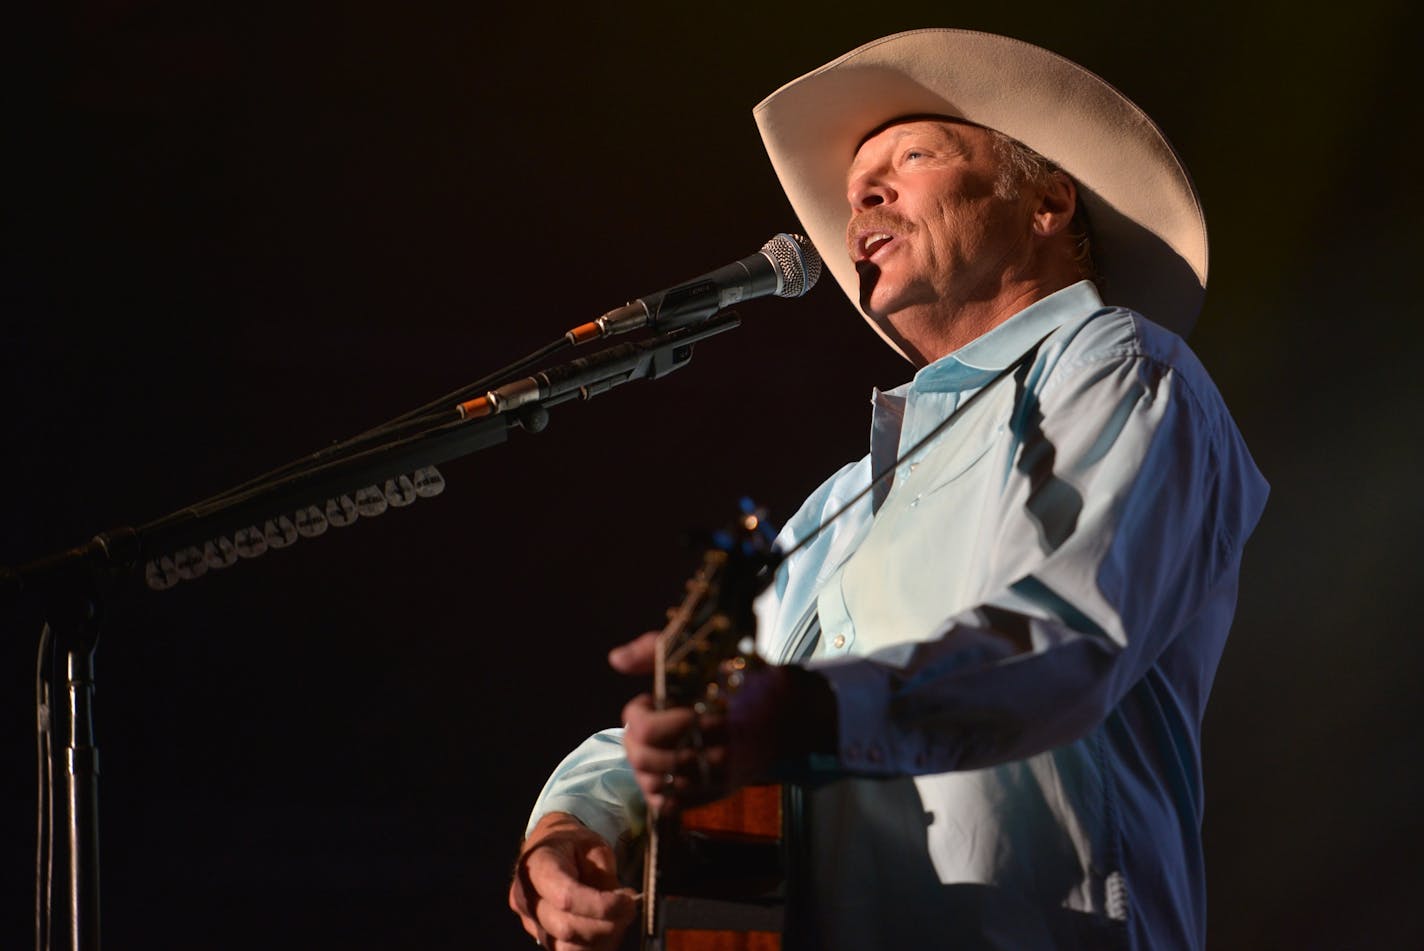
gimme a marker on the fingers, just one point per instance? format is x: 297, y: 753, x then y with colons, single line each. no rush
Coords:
x: 670, y: 741
x: 636, y: 656
x: 551, y: 922
x: 685, y: 763
x: 566, y: 929
x: 566, y: 893
x: 580, y: 931
x: 650, y: 726
x: 556, y: 881
x: 678, y: 757
x: 598, y: 868
x: 703, y: 781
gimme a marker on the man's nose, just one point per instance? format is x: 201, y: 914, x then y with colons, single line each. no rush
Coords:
x: 867, y: 190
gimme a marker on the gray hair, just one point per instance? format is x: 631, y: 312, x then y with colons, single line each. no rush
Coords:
x: 1021, y: 166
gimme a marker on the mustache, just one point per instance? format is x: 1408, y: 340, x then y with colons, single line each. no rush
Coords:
x: 876, y: 219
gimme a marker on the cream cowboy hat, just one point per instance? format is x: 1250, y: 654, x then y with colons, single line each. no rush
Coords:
x: 1149, y: 236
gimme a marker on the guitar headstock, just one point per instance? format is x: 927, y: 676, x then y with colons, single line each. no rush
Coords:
x: 710, y: 638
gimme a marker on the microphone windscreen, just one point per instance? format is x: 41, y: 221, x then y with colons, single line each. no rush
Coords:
x: 796, y: 261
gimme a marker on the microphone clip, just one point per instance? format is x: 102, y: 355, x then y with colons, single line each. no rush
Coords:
x: 587, y: 377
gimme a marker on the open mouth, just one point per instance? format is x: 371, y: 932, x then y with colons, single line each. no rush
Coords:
x: 870, y: 243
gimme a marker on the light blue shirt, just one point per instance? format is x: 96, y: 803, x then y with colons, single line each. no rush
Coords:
x: 1021, y: 625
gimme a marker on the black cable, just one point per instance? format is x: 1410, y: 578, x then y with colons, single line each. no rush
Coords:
x: 422, y: 416
x: 924, y: 441
x: 237, y: 497
x: 338, y: 453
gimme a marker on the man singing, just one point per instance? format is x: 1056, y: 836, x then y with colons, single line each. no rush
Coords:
x: 990, y: 673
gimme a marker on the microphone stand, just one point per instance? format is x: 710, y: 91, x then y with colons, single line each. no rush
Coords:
x: 81, y: 587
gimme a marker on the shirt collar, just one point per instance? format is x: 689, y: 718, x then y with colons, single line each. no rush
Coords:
x: 978, y: 361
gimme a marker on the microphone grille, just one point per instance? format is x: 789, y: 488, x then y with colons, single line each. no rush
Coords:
x: 797, y: 262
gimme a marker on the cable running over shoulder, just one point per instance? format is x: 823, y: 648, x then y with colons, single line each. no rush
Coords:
x: 939, y: 428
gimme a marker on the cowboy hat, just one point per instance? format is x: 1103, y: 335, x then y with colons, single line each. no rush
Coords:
x: 1149, y: 236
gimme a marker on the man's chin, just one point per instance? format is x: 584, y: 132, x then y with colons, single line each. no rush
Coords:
x: 880, y: 307
x: 881, y: 297
x: 877, y: 301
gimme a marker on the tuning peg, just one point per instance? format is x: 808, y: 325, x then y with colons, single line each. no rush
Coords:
x: 310, y: 522
x: 219, y: 553
x: 189, y: 563
x: 400, y: 491
x: 428, y: 482
x: 279, y: 533
x: 341, y: 512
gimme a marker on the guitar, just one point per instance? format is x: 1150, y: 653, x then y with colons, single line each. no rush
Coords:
x: 714, y: 876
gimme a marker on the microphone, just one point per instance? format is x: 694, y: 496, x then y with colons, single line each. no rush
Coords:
x: 788, y: 266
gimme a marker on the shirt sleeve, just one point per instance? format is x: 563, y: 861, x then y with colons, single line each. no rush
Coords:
x: 1124, y: 513
x: 595, y: 784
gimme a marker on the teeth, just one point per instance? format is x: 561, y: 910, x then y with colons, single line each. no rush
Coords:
x: 874, y: 241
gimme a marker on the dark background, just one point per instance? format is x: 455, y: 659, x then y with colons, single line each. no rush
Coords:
x: 234, y: 232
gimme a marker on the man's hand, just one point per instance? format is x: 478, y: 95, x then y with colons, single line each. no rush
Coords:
x: 681, y: 758
x: 566, y: 890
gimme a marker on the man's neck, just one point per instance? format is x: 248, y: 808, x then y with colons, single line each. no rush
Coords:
x: 931, y: 332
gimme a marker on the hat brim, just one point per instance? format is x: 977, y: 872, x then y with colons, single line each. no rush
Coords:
x: 1149, y: 235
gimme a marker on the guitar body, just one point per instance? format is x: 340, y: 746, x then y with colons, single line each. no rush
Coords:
x: 722, y: 941
x: 753, y: 813
x: 733, y: 876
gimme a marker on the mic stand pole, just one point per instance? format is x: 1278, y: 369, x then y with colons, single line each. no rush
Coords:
x: 77, y: 585
x: 80, y: 586
x: 81, y: 779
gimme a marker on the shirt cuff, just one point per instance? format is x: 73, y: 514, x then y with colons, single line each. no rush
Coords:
x: 868, y: 742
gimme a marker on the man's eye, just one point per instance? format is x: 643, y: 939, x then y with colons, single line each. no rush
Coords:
x: 914, y: 154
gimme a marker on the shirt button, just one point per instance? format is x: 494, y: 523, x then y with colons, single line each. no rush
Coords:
x: 873, y: 754
x: 838, y: 641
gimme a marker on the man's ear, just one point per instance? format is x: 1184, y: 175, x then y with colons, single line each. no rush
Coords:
x: 1055, y: 206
